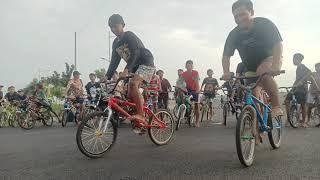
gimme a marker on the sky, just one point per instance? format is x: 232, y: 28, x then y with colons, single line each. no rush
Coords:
x: 37, y: 36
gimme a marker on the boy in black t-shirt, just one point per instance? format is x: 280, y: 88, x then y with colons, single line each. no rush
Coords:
x: 129, y: 47
x: 259, y: 44
x: 92, y: 86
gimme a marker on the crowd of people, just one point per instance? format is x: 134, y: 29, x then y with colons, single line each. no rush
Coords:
x: 257, y: 40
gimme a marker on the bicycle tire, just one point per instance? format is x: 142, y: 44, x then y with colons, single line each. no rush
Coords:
x: 248, y: 113
x: 205, y: 110
x: 275, y: 128
x: 152, y: 129
x: 180, y: 116
x: 85, y: 124
x: 293, y: 115
x: 225, y: 113
x: 64, y: 118
x: 25, y: 121
x: 47, y: 120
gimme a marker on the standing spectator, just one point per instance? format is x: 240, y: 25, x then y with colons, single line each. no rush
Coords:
x: 92, y: 86
x: 192, y: 80
x: 12, y: 95
x: 301, y: 86
x: 164, y: 91
x: 22, y: 96
x: 1, y: 92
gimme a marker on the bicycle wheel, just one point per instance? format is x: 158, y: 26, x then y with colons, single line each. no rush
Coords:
x: 205, y: 111
x: 13, y: 121
x: 225, y: 113
x: 161, y: 136
x: 245, y: 136
x: 25, y: 121
x: 181, y: 115
x: 47, y: 118
x: 65, y: 118
x: 175, y: 111
x: 190, y: 117
x: 3, y: 120
x: 92, y: 141
x: 275, y: 133
x: 294, y: 116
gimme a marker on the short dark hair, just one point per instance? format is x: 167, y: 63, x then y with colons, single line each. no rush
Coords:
x: 317, y: 64
x: 246, y: 3
x: 298, y: 56
x: 189, y: 62
x: 158, y: 72
x: 92, y: 74
x: 180, y: 70
x: 209, y: 70
x: 115, y: 19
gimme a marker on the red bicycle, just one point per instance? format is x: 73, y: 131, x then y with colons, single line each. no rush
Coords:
x: 97, y: 133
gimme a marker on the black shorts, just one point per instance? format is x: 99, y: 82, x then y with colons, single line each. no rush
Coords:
x: 300, y: 96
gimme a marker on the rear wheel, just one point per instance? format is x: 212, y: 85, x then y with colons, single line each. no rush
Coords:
x: 92, y: 141
x: 161, y: 136
x: 47, y: 118
x: 13, y: 121
x: 275, y: 133
x: 245, y: 136
x: 294, y: 116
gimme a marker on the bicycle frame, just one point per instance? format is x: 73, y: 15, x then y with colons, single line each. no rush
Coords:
x: 115, y: 104
x: 262, y: 119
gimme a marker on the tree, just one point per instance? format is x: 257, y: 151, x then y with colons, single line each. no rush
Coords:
x: 100, y: 73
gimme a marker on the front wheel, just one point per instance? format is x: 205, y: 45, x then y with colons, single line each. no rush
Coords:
x: 47, y: 118
x: 93, y: 141
x: 158, y: 135
x: 245, y: 136
x: 275, y: 132
x: 294, y: 116
x: 26, y: 121
x: 225, y: 113
x: 181, y: 115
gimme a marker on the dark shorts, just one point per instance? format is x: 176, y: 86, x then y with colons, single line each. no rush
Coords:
x: 195, y: 96
x: 79, y: 100
x: 300, y: 96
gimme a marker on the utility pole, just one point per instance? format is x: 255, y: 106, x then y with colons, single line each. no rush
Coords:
x: 75, y: 50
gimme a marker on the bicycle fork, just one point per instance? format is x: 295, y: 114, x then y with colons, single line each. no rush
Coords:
x: 106, y: 122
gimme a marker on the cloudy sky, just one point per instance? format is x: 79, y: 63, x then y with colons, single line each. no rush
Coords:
x: 38, y: 35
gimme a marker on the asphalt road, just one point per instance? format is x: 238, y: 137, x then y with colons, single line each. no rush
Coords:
x: 208, y: 152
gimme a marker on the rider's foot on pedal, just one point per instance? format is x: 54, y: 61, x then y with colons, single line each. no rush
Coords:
x: 276, y: 112
x: 140, y: 118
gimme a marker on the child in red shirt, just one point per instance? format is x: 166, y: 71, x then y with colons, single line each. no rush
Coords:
x: 191, y: 78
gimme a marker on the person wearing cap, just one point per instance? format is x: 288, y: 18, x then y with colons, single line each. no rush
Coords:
x: 129, y: 47
x: 12, y: 95
x: 92, y: 86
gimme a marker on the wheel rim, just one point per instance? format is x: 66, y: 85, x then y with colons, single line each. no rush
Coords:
x: 276, y: 130
x: 247, y: 137
x: 294, y: 117
x: 162, y: 135
x: 48, y: 119
x: 96, y: 141
x: 26, y: 122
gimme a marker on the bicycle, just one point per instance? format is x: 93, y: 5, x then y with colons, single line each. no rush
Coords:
x: 184, y: 109
x: 230, y: 105
x: 71, y: 112
x: 293, y: 116
x: 246, y: 136
x: 315, y: 114
x: 34, y: 109
x: 98, y: 131
x: 207, y: 106
x: 8, y: 116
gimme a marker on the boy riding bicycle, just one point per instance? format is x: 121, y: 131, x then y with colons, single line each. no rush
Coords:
x: 129, y: 47
x: 259, y: 44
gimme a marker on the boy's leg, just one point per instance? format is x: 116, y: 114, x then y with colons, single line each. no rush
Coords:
x: 270, y: 86
x: 135, y: 94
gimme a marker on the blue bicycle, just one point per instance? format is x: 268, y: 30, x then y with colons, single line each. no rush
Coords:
x: 246, y: 129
